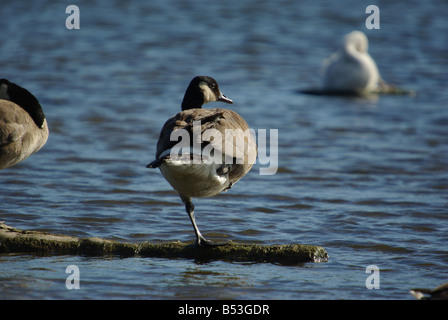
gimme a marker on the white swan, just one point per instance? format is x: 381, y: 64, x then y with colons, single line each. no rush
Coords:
x: 352, y: 70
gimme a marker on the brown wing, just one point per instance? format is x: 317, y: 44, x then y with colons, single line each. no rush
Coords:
x: 224, y: 129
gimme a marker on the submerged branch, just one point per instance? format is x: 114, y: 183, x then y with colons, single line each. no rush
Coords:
x: 13, y: 240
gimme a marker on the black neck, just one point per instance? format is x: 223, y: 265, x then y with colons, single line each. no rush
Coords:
x: 194, y: 98
x: 26, y: 101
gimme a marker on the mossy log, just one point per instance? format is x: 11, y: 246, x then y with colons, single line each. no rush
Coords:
x: 13, y: 240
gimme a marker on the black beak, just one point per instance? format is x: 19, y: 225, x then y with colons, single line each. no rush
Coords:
x: 223, y: 98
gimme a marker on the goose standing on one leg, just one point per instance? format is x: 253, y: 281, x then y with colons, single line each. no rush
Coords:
x: 352, y: 70
x: 23, y: 127
x: 213, y: 162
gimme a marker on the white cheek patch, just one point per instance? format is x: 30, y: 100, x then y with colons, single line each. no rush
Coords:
x: 209, y: 96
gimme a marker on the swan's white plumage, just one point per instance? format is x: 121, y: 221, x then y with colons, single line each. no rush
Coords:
x: 351, y: 69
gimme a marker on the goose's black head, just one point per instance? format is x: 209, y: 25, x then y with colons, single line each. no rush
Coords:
x: 23, y: 98
x: 202, y: 89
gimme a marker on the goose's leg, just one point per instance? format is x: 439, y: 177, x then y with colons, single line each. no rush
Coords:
x: 189, y: 207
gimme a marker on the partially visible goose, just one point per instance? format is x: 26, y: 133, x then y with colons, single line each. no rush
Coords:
x: 439, y: 293
x: 193, y: 174
x: 352, y: 70
x: 23, y: 127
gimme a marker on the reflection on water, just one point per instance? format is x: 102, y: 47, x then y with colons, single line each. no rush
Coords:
x: 365, y: 178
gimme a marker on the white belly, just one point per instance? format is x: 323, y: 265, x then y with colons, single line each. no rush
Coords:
x: 194, y: 180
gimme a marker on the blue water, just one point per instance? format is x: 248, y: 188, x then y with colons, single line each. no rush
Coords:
x: 366, y: 178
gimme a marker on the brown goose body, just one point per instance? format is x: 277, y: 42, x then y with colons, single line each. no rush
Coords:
x: 23, y: 127
x: 215, y: 128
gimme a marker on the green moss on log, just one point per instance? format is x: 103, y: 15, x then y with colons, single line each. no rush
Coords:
x: 13, y: 240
